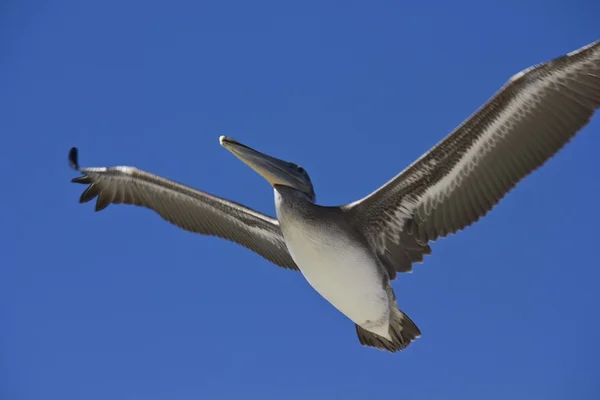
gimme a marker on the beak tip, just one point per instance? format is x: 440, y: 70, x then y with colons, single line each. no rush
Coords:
x: 222, y: 140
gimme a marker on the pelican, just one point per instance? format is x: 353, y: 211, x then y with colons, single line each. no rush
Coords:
x: 349, y: 254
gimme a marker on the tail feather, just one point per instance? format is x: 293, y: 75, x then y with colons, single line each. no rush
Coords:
x: 402, y: 331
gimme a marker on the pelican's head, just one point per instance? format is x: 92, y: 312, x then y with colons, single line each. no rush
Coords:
x: 277, y: 172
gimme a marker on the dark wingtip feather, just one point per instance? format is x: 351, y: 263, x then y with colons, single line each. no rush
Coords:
x: 90, y: 193
x: 73, y: 158
x: 85, y: 180
x: 102, y: 202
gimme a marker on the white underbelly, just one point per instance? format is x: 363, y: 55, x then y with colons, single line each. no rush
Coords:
x: 345, y: 275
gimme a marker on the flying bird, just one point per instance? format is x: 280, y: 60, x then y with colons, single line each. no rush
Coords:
x: 349, y: 254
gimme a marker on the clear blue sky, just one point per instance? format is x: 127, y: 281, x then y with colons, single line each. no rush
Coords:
x: 121, y: 305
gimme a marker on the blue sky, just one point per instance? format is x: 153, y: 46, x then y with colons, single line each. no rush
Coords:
x: 121, y: 305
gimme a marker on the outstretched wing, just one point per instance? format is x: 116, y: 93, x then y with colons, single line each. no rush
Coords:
x: 464, y: 176
x: 188, y: 208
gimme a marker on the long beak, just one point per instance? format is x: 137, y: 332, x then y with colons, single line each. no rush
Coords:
x: 275, y: 171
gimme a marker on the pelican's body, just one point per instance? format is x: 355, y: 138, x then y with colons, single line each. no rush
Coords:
x: 335, y: 260
x: 349, y: 254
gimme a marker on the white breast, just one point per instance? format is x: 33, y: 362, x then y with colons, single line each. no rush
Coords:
x: 344, y: 274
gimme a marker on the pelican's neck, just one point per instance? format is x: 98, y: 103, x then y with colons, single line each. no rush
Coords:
x: 288, y: 194
x: 292, y: 205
